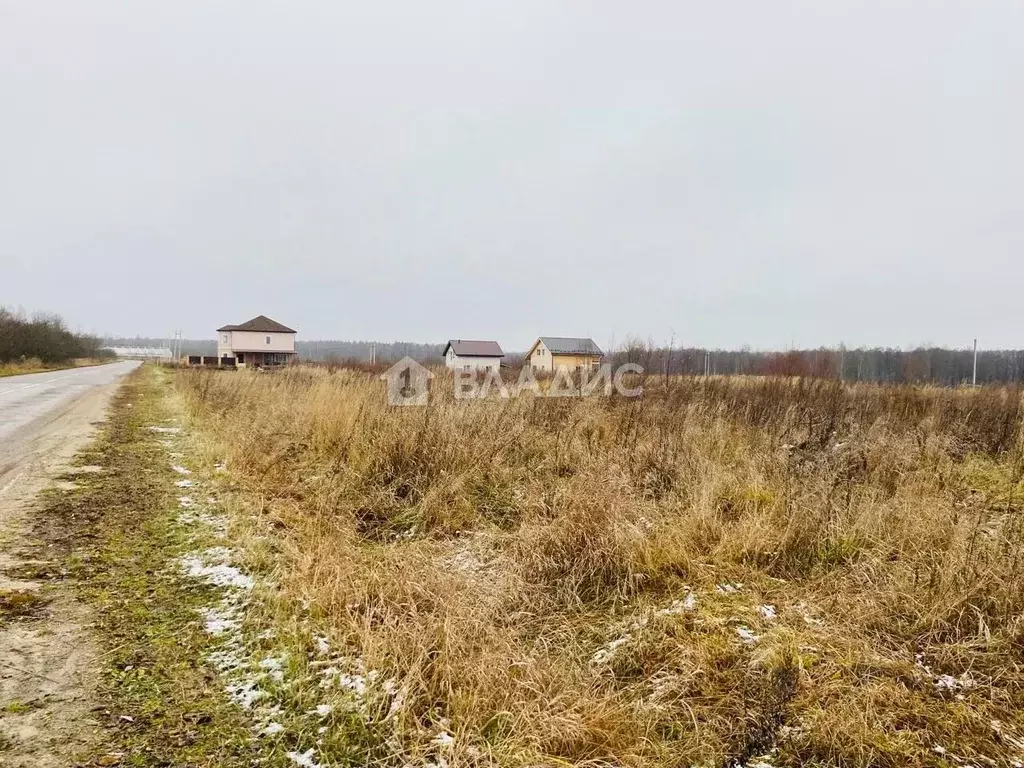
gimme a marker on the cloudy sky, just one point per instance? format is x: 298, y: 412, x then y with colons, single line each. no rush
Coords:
x: 762, y: 173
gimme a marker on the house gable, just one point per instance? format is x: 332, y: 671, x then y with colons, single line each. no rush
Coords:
x: 471, y: 348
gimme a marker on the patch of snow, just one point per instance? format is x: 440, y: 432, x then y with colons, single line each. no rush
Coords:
x: 181, y: 470
x: 185, y: 502
x: 245, y: 693
x: 397, y: 704
x: 321, y: 710
x: 322, y: 646
x: 747, y: 635
x: 217, y: 523
x: 444, y: 739
x: 689, y: 603
x: 304, y: 759
x: 274, y: 668
x: 166, y: 430
x: 272, y: 729
x: 184, y: 483
x: 606, y: 653
x: 465, y: 561
x: 218, y: 574
x: 353, y: 683
x: 950, y: 683
x: 768, y: 612
x: 226, y: 660
x: 219, y: 620
x: 730, y: 588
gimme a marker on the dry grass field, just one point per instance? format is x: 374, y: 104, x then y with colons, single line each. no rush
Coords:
x: 720, y: 573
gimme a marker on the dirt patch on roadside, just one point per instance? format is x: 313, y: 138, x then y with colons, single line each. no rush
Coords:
x: 47, y: 658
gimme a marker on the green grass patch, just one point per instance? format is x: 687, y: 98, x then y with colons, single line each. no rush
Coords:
x: 20, y: 707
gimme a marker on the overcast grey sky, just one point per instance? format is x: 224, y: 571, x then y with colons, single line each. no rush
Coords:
x: 760, y: 173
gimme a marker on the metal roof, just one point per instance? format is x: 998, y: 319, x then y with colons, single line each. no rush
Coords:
x: 261, y: 324
x: 469, y: 348
x: 560, y: 345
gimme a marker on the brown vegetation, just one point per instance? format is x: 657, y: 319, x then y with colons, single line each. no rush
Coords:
x: 720, y: 572
x: 43, y: 341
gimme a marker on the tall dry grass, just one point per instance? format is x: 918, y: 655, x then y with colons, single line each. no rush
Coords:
x: 719, y: 572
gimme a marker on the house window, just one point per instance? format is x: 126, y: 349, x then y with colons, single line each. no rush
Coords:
x: 224, y: 338
x: 268, y: 339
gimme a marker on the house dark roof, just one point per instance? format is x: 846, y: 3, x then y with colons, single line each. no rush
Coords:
x: 467, y: 348
x: 559, y: 345
x: 260, y: 324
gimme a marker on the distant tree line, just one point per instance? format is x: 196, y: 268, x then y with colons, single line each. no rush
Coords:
x: 364, y: 351
x: 323, y: 351
x: 935, y: 365
x: 43, y: 337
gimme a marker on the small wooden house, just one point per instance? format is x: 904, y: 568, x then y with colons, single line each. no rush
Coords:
x: 550, y: 353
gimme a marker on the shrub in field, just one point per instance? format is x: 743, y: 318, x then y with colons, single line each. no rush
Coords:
x: 44, y: 338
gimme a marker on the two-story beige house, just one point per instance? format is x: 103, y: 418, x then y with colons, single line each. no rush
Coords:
x: 550, y: 353
x: 260, y: 342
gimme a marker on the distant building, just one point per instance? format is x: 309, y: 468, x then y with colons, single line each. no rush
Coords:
x: 142, y: 353
x: 549, y: 353
x: 260, y: 342
x: 473, y: 355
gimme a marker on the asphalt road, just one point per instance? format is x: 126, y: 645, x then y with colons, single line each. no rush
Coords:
x: 25, y: 399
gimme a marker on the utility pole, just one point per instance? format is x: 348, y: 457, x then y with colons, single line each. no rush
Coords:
x: 373, y: 353
x: 974, y: 380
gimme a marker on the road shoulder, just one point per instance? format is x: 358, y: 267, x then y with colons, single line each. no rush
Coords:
x: 114, y: 532
x: 47, y: 658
